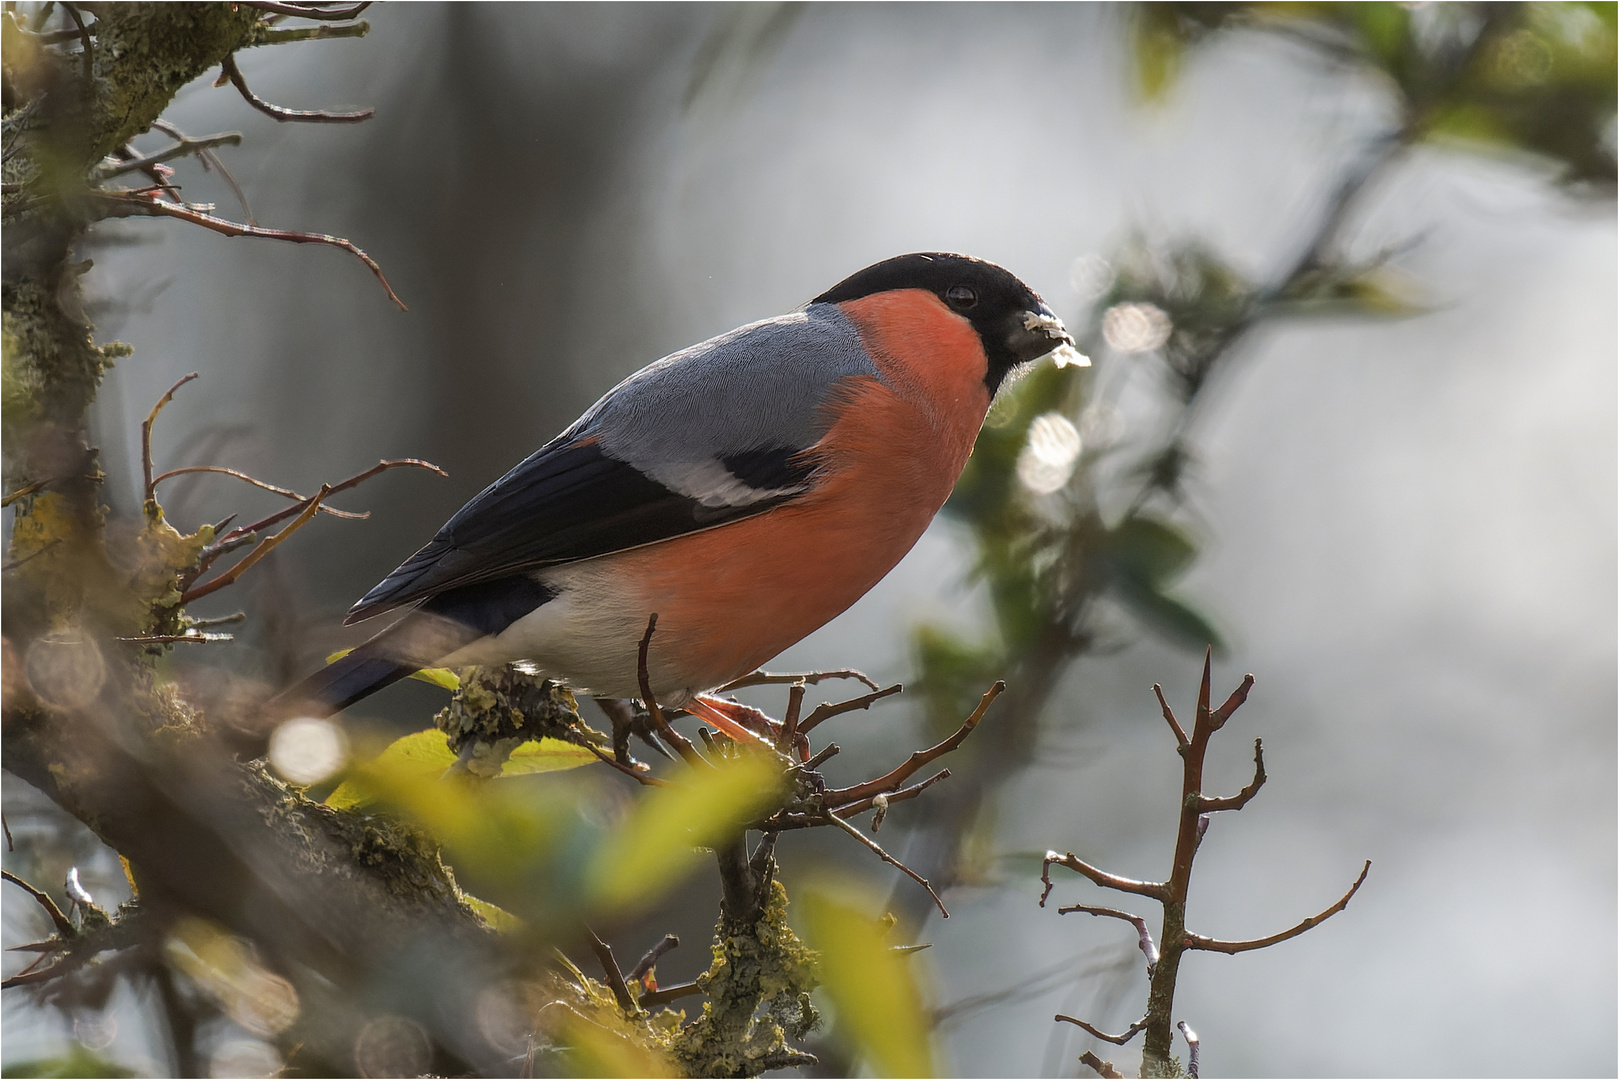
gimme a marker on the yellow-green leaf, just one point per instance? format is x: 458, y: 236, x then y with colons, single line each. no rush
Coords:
x: 872, y: 986
x: 498, y: 918
x: 655, y: 845
x: 438, y: 676
x: 546, y: 755
x: 422, y: 756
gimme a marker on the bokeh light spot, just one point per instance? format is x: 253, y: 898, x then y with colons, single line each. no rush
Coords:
x: 1091, y: 276
x: 1049, y: 457
x: 1136, y: 328
x: 65, y: 670
x: 392, y: 1046
x: 306, y: 750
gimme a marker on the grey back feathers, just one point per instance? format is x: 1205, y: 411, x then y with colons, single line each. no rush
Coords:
x: 758, y: 387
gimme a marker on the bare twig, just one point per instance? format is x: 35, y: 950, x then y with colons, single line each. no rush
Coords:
x: 1169, y: 714
x: 1102, y: 1068
x: 826, y: 711
x: 1206, y: 944
x: 1155, y: 889
x: 146, y: 436
x: 32, y: 555
x: 810, y: 678
x: 58, y: 920
x: 665, y: 994
x: 1148, y: 949
x: 1117, y: 1040
x: 918, y: 758
x: 263, y: 548
x: 311, y: 116
x: 674, y: 738
x: 829, y: 750
x: 308, y: 11
x: 860, y: 806
x: 26, y: 490
x: 1207, y: 805
x: 833, y: 819
x: 1191, y: 1049
x: 615, y: 977
x: 1232, y: 703
x: 650, y: 960
x: 84, y: 42
x: 169, y: 639
x: 627, y: 769
x: 131, y: 204
x: 239, y: 535
x: 211, y: 160
x: 261, y: 485
x: 181, y: 148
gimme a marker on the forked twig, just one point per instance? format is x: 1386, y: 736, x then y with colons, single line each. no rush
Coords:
x: 308, y: 11
x: 918, y: 758
x: 264, y: 548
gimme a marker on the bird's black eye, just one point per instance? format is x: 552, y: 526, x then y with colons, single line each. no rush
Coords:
x: 961, y: 296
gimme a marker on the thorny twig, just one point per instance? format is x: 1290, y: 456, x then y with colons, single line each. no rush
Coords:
x: 1194, y: 810
x: 63, y: 925
x: 309, y: 116
x: 132, y: 204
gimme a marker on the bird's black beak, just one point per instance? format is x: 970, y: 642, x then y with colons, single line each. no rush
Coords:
x: 1036, y: 331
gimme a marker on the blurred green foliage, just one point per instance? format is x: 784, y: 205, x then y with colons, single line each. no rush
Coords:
x: 872, y: 985
x: 1079, y: 544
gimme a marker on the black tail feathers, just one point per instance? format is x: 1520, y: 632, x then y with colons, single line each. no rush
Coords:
x: 341, y: 683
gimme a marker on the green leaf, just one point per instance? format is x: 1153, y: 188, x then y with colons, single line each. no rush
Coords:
x: 656, y: 845
x: 872, y: 987
x: 438, y: 676
x: 1150, y: 548
x: 421, y: 757
x: 1169, y: 615
x: 546, y: 755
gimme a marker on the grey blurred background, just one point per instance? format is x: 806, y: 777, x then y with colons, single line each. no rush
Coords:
x: 1410, y: 525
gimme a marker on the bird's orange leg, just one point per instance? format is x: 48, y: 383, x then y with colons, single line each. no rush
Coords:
x: 741, y: 722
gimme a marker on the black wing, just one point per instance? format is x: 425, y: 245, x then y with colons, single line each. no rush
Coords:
x: 570, y: 501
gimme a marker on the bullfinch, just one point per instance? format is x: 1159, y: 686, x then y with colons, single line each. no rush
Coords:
x: 746, y: 490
